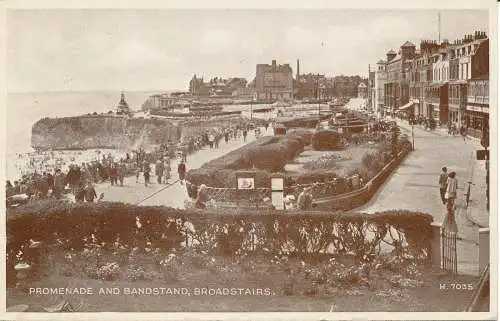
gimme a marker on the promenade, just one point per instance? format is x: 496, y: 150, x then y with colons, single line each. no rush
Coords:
x: 414, y: 186
x: 176, y: 194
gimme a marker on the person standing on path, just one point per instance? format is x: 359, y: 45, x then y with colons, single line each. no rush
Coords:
x: 443, y: 178
x: 245, y: 135
x: 167, y: 170
x: 121, y: 172
x: 146, y: 171
x: 211, y: 139
x: 181, y: 170
x: 159, y: 170
x: 451, y: 194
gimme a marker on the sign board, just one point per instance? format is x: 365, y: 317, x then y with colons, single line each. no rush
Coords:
x: 246, y: 183
x: 277, y: 184
x: 277, y: 200
x: 482, y: 154
x: 245, y: 180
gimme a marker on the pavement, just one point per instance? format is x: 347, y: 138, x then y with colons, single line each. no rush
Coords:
x: 414, y: 186
x: 173, y: 195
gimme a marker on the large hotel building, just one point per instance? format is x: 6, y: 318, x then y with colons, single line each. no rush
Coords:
x: 444, y: 81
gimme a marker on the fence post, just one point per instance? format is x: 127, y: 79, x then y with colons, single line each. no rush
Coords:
x: 484, y: 248
x: 435, y: 244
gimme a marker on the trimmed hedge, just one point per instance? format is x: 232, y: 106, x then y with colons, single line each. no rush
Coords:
x: 222, y: 233
x: 327, y: 140
x: 307, y: 122
x: 267, y: 155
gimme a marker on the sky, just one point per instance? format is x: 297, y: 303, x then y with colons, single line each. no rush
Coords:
x: 161, y: 49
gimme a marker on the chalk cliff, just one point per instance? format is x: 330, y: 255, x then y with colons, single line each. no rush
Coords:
x: 102, y: 131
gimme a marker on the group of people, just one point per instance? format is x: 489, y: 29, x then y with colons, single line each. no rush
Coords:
x: 41, y: 186
x: 448, y: 191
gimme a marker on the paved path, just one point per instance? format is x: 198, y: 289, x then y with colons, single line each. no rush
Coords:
x: 175, y: 195
x: 414, y: 186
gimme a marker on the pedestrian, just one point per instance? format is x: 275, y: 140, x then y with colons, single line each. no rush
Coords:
x: 443, y: 178
x: 301, y: 200
x: 80, y: 192
x: 181, y: 170
x: 146, y: 171
x: 113, y: 174
x: 463, y: 132
x: 59, y: 183
x: 244, y: 135
x: 226, y: 136
x: 90, y: 193
x: 450, y: 224
x: 167, y: 170
x: 137, y: 174
x: 184, y: 153
x: 211, y: 140
x: 121, y: 172
x: 159, y: 169
x: 202, y: 197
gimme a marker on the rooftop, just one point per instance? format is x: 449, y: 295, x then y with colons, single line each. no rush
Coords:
x: 408, y: 44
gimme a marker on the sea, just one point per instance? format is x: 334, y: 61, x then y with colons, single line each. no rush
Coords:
x: 24, y: 109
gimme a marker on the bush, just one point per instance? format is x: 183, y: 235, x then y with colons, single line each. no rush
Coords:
x: 327, y: 140
x: 265, y: 156
x: 216, y: 233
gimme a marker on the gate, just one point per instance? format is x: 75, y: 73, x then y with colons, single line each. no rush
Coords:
x: 449, y: 253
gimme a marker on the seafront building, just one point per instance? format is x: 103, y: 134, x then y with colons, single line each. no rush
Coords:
x: 218, y: 87
x: 273, y: 82
x: 447, y: 82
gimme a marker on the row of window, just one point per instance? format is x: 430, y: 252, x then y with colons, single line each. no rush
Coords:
x: 479, y: 89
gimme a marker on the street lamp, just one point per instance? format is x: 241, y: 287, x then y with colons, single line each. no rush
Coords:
x: 412, y: 136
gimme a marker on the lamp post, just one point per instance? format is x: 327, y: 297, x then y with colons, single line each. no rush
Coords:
x: 251, y: 109
x: 412, y: 136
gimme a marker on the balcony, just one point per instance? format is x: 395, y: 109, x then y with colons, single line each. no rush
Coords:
x: 478, y: 100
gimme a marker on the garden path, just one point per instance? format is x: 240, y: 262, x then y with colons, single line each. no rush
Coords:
x: 414, y: 186
x: 176, y: 194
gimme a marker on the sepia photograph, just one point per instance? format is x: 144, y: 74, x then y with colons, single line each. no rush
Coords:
x: 212, y: 160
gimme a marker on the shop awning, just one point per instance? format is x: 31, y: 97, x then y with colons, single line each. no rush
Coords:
x: 408, y: 105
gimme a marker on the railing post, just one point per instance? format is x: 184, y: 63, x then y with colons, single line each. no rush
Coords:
x: 435, y: 244
x: 484, y: 248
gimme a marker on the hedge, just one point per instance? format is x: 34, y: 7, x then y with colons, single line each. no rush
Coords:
x: 264, y: 156
x: 217, y: 233
x: 307, y: 122
x: 327, y: 140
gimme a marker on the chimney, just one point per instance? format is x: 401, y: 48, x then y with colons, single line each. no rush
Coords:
x: 298, y: 70
x: 274, y: 63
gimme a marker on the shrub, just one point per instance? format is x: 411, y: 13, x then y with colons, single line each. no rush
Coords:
x: 266, y: 155
x: 326, y: 140
x: 217, y: 233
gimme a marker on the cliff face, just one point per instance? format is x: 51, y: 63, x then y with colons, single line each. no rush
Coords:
x: 101, y: 131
